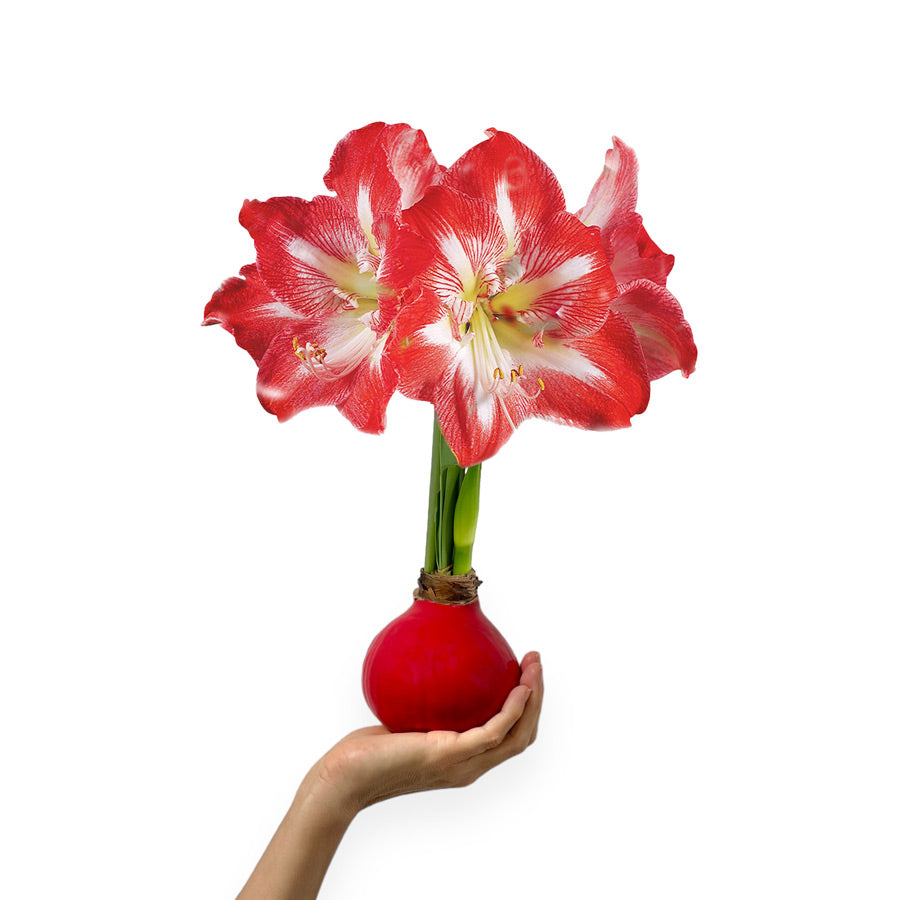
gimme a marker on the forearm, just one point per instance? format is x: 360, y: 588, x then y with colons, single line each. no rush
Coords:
x: 372, y: 764
x: 297, y: 858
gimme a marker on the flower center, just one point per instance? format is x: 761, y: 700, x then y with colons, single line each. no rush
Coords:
x: 491, y: 361
x: 355, y: 289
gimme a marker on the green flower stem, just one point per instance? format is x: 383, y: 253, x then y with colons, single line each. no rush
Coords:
x: 452, y: 510
x: 465, y: 519
x: 450, y: 489
x: 434, y: 496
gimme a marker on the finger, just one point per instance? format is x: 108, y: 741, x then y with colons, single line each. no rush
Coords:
x: 531, y: 672
x: 495, y: 731
x: 526, y: 723
x: 491, y: 734
x: 517, y: 739
x: 524, y: 731
x: 534, y: 678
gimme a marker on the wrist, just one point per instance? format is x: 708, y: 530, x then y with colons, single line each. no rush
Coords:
x: 331, y: 803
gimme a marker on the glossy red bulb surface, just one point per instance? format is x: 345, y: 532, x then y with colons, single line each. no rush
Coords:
x: 438, y: 667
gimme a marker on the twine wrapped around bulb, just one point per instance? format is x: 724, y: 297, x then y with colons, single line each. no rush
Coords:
x: 453, y: 590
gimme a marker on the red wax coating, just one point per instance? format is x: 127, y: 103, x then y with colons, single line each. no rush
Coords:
x: 438, y: 667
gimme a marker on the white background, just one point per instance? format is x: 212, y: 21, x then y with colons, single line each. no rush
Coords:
x: 189, y: 588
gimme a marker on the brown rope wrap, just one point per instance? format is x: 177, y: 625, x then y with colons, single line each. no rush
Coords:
x: 455, y: 590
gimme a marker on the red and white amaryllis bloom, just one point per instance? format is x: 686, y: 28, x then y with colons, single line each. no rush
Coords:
x: 639, y: 266
x: 317, y: 310
x: 512, y: 316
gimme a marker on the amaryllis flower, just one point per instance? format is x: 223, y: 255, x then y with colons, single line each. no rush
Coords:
x: 317, y: 309
x: 639, y: 266
x: 512, y: 316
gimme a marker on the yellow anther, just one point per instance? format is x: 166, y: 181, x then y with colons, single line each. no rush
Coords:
x: 521, y: 370
x: 541, y: 383
x: 514, y: 374
x: 310, y: 352
x: 498, y: 374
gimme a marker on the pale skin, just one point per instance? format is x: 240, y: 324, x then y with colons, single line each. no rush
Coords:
x: 372, y: 764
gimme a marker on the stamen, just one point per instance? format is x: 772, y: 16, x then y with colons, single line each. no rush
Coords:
x: 537, y: 393
x: 310, y: 354
x: 343, y: 357
x: 487, y: 353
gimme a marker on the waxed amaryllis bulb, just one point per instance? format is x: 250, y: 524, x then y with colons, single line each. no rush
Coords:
x: 438, y: 666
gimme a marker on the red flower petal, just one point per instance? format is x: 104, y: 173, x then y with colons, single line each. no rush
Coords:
x: 353, y: 373
x: 308, y: 252
x: 611, y: 207
x: 614, y: 195
x: 361, y: 177
x: 366, y: 405
x: 405, y: 254
x: 592, y: 381
x: 466, y: 240
x: 633, y: 254
x: 285, y: 385
x: 562, y: 278
x: 245, y: 308
x: 379, y: 169
x: 437, y: 367
x: 426, y: 345
x: 411, y: 161
x: 512, y: 178
x: 474, y: 425
x: 596, y: 381
x: 664, y: 334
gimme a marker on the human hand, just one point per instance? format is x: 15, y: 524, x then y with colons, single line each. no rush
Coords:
x: 373, y: 764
